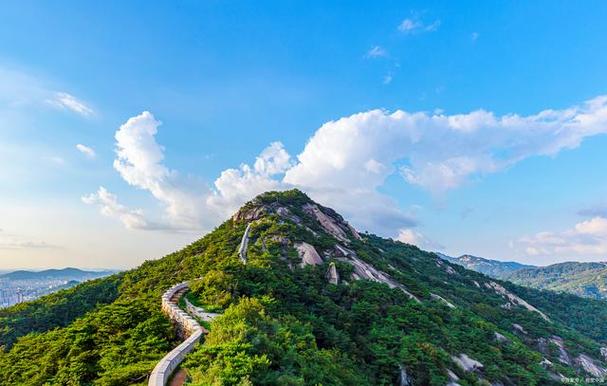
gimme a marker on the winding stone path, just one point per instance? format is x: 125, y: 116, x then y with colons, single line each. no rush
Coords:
x: 187, y: 327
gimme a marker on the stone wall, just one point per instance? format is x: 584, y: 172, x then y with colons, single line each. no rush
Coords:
x: 187, y: 326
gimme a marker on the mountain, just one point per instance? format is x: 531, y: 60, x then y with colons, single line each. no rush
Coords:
x: 304, y: 299
x: 493, y: 268
x: 66, y: 274
x: 19, y: 286
x: 583, y: 279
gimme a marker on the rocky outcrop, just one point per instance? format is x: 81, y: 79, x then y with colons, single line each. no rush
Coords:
x: 443, y: 300
x: 328, y: 223
x: 563, y: 355
x: 244, y: 243
x: 453, y: 378
x: 500, y: 338
x: 513, y: 299
x: 248, y: 214
x: 332, y: 274
x: 308, y: 254
x: 466, y: 363
x: 405, y: 379
x: 354, y: 232
x: 364, y: 270
x: 589, y: 365
x: 186, y: 326
x: 519, y: 328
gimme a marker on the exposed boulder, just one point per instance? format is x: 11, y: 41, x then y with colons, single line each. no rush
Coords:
x: 589, y: 365
x: 248, y: 214
x: 404, y: 380
x: 453, y: 378
x: 286, y: 213
x: 519, y: 328
x: 443, y: 300
x: 545, y: 363
x: 563, y: 355
x: 332, y: 274
x: 354, y: 232
x: 498, y: 288
x: 500, y: 338
x: 328, y: 223
x: 364, y: 270
x: 466, y: 363
x: 308, y: 254
x: 257, y: 209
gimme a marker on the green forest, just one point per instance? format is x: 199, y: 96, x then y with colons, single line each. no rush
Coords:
x: 283, y: 323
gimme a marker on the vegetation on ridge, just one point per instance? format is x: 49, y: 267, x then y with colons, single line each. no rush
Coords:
x: 284, y: 324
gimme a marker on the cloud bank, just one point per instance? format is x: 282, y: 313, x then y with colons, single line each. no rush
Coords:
x: 345, y: 163
x: 587, y: 238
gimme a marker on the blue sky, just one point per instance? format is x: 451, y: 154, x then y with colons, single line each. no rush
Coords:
x: 227, y: 80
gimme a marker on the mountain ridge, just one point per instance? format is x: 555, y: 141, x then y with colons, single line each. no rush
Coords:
x: 315, y: 302
x: 67, y: 273
x: 494, y: 268
x: 586, y: 279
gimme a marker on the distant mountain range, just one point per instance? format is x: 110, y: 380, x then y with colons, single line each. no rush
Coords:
x: 493, y: 268
x: 22, y: 285
x: 67, y: 274
x: 582, y: 279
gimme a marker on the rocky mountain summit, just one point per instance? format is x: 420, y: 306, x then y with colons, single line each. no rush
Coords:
x: 302, y: 298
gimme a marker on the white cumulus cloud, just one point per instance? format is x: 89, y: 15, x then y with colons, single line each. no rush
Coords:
x: 414, y: 237
x: 438, y: 152
x: 345, y: 163
x: 586, y: 239
x: 236, y: 186
x: 188, y: 204
x: 110, y: 207
x: 139, y: 160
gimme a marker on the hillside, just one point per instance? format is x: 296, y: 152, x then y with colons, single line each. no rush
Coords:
x: 308, y: 300
x: 493, y: 268
x: 582, y: 279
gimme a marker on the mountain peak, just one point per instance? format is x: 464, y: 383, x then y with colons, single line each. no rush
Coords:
x: 271, y: 202
x: 304, y: 299
x: 295, y: 206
